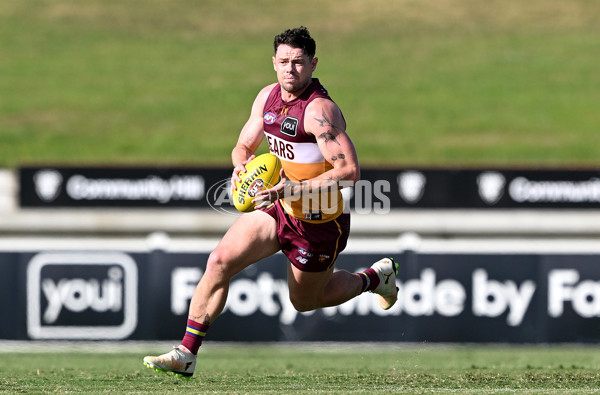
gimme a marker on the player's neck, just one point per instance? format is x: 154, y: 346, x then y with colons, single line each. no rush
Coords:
x: 290, y: 96
x: 287, y: 96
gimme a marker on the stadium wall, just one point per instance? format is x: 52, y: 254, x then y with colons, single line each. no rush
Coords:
x: 101, y: 201
x: 472, y: 272
x: 97, y: 294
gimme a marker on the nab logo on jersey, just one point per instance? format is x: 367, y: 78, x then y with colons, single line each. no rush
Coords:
x: 289, y: 126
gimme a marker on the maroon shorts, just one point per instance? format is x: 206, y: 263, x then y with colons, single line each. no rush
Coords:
x: 310, y: 247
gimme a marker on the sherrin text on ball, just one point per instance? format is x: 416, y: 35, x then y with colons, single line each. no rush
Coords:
x: 261, y: 173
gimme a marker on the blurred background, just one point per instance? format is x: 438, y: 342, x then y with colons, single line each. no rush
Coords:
x: 435, y: 83
x: 480, y: 116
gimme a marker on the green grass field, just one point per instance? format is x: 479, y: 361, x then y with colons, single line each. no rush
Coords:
x: 308, y: 369
x: 439, y: 82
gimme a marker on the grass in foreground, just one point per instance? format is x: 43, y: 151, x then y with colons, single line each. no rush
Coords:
x: 277, y: 369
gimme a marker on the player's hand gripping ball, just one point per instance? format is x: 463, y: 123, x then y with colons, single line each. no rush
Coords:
x: 261, y: 173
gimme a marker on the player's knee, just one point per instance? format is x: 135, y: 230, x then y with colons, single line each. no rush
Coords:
x: 218, y: 264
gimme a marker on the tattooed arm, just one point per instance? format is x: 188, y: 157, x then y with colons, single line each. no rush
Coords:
x: 324, y: 120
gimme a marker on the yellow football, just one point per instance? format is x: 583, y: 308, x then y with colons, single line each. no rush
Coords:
x: 261, y: 173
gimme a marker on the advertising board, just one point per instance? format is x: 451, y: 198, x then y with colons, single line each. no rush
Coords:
x: 443, y: 297
x: 379, y: 190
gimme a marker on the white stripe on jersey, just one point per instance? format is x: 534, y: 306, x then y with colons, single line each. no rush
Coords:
x: 294, y: 152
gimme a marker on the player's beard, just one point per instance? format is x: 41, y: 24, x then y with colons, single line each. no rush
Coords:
x: 297, y: 87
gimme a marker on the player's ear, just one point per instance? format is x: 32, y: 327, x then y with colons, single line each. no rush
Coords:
x: 274, y: 68
x: 314, y: 62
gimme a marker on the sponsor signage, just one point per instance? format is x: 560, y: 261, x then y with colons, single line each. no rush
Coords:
x: 378, y: 191
x: 289, y: 126
x: 81, y: 296
x: 110, y: 187
x: 479, y: 189
x: 442, y: 298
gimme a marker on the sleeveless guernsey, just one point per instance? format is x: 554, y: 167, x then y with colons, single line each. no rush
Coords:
x: 299, y: 153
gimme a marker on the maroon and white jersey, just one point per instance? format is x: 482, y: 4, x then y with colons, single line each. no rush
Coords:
x: 299, y: 152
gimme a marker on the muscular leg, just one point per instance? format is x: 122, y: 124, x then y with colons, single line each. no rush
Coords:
x: 251, y: 238
x: 309, y: 291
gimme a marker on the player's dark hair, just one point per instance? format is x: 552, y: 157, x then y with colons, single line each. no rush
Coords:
x: 297, y: 38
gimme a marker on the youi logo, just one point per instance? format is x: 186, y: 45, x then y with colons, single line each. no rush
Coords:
x: 73, y: 295
x: 269, y: 118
